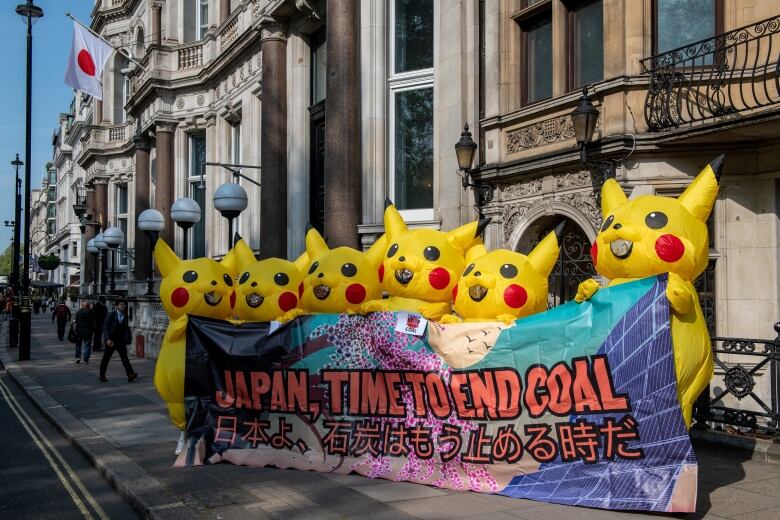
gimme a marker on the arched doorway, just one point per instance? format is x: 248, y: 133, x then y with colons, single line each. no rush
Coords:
x: 574, y: 262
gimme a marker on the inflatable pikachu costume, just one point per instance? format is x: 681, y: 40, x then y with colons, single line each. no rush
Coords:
x: 199, y: 287
x: 651, y: 235
x: 504, y: 285
x: 422, y: 266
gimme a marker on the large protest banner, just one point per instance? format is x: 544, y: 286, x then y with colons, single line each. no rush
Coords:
x: 576, y: 405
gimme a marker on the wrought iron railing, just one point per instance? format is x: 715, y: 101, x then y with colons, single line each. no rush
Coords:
x: 722, y: 77
x: 750, y: 379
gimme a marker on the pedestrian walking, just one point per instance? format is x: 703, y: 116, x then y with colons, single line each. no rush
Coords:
x: 62, y: 314
x: 116, y: 334
x: 100, y: 311
x: 85, y: 327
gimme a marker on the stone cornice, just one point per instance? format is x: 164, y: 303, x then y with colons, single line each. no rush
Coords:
x: 102, y: 17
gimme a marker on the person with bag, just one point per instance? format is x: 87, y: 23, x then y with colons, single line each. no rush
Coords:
x: 117, y: 335
x: 85, y: 323
x: 62, y: 314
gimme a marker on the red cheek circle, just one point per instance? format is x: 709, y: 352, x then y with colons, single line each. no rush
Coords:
x: 669, y: 248
x: 515, y: 296
x: 300, y: 290
x: 287, y: 301
x: 455, y: 293
x: 594, y: 252
x: 180, y: 297
x: 355, y: 293
x: 439, y: 278
x: 381, y: 273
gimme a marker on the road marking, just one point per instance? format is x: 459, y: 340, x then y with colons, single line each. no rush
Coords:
x: 48, y: 450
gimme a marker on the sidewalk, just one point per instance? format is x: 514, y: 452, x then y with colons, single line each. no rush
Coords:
x: 123, y: 429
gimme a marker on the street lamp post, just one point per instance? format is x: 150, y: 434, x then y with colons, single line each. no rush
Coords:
x: 102, y: 247
x: 151, y: 222
x: 113, y: 237
x: 584, y: 119
x: 186, y: 213
x: 230, y: 200
x: 464, y: 151
x: 13, y: 326
x: 30, y: 12
x: 94, y: 251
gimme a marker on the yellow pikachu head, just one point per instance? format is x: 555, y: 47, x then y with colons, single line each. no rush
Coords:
x: 199, y: 287
x: 505, y: 282
x: 651, y: 234
x: 425, y: 264
x: 340, y: 279
x: 269, y: 288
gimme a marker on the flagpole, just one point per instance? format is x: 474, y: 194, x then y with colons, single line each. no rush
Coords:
x: 96, y: 35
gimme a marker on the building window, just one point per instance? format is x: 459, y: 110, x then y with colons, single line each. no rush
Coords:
x: 51, y: 227
x: 536, y: 56
x: 74, y: 249
x: 51, y: 211
x: 52, y: 194
x: 235, y: 158
x: 52, y: 176
x: 413, y: 41
x: 196, y: 168
x: 203, y: 18
x: 586, y: 44
x: 121, y: 221
x: 681, y: 22
x: 318, y: 67
x: 411, y: 108
x: 121, y: 88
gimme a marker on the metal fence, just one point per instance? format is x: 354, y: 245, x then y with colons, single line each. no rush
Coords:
x: 722, y: 77
x: 741, y: 365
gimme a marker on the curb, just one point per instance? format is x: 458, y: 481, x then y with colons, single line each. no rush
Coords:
x: 137, y: 487
x: 761, y: 450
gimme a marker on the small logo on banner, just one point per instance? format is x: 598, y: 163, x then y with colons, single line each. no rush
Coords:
x: 410, y: 323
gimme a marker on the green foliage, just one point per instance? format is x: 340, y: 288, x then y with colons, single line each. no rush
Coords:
x: 6, y: 261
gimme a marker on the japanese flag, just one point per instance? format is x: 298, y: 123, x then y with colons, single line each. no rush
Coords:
x: 88, y: 56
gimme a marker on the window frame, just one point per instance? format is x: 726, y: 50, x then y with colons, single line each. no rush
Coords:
x: 120, y: 217
x: 235, y: 158
x: 193, y: 183
x: 571, y: 12
x: 719, y: 23
x: 527, y: 17
x: 402, y: 82
x: 199, y: 25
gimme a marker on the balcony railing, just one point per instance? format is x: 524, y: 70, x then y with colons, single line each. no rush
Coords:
x: 228, y: 34
x: 724, y: 77
x: 190, y: 56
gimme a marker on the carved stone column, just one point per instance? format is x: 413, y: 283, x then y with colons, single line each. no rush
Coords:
x: 101, y: 203
x: 273, y: 143
x: 164, y: 188
x: 342, y: 124
x: 224, y: 10
x: 142, y: 182
x: 89, y: 234
x: 156, y: 22
x: 97, y: 117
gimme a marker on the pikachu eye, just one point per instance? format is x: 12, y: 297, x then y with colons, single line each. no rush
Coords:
x: 228, y: 280
x: 607, y: 222
x: 313, y: 267
x: 656, y: 220
x: 431, y: 253
x: 281, y: 279
x: 468, y: 270
x: 190, y: 276
x: 392, y: 251
x: 508, y: 271
x: 349, y: 270
x: 244, y: 278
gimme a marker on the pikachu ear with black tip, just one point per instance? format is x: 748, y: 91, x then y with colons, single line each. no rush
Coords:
x: 612, y: 197
x: 164, y: 257
x: 376, y: 253
x: 699, y: 197
x: 239, y: 258
x: 545, y: 254
x: 467, y: 235
x: 475, y: 252
x: 315, y: 244
x: 394, y: 222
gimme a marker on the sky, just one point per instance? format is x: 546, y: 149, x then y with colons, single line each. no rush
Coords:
x: 52, y: 35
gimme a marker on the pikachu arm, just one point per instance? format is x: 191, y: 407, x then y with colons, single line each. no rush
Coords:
x: 451, y: 318
x: 291, y: 315
x: 681, y: 294
x: 376, y: 306
x: 586, y: 290
x: 169, y: 370
x: 434, y: 311
x: 507, y: 318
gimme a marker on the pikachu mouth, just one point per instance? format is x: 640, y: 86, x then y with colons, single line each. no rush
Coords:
x: 321, y: 292
x: 212, y: 298
x: 404, y: 276
x: 621, y: 248
x: 254, y: 300
x: 478, y: 292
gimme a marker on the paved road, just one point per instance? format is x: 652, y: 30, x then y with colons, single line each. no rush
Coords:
x: 41, y: 475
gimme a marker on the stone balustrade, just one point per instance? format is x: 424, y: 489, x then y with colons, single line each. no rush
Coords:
x: 190, y: 56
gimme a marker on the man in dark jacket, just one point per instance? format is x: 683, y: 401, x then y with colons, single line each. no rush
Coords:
x: 85, y: 325
x: 62, y: 314
x: 100, y: 311
x: 116, y: 334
